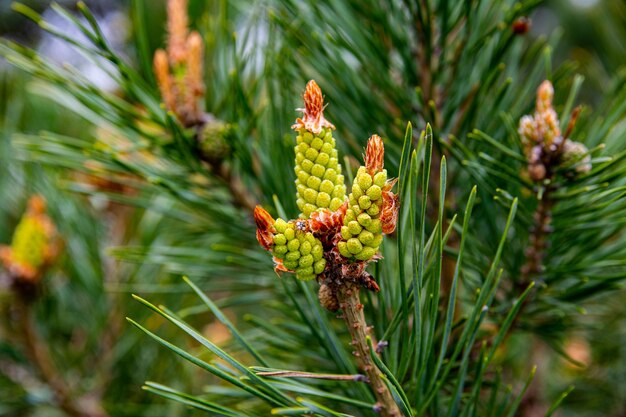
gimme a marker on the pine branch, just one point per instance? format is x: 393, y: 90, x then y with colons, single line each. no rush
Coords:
x: 538, y: 239
x: 37, y: 349
x: 242, y: 197
x: 350, y: 304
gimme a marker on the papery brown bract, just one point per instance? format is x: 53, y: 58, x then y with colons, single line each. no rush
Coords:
x: 313, y: 119
x: 326, y: 224
x: 374, y: 155
x: 265, y: 227
x: 389, y: 213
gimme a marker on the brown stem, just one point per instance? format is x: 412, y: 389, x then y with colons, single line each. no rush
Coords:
x: 463, y: 109
x: 533, y: 405
x: 538, y: 239
x: 36, y: 348
x: 350, y: 304
x: 535, y: 252
x: 119, y: 220
x: 241, y: 196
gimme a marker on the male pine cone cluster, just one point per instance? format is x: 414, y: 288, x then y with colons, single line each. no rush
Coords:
x: 299, y: 250
x: 34, y: 246
x: 362, y: 230
x: 179, y: 68
x: 334, y: 233
x: 545, y: 147
x: 319, y: 183
x: 179, y: 72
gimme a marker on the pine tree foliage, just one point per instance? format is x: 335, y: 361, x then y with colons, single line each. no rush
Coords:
x: 583, y: 233
x: 401, y: 60
x: 372, y: 63
x: 452, y: 287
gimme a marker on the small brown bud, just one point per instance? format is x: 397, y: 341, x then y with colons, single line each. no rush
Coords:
x: 537, y: 172
x: 521, y: 25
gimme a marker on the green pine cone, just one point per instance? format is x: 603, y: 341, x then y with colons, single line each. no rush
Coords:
x: 319, y: 182
x: 361, y: 234
x: 300, y: 251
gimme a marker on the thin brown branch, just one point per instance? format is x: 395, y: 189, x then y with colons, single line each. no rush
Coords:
x: 350, y: 304
x: 538, y: 240
x: 241, y: 196
x: 533, y: 405
x: 215, y: 163
x: 36, y: 349
x: 463, y: 109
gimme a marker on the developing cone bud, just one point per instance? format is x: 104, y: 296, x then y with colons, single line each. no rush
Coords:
x: 319, y: 182
x: 527, y: 130
x: 164, y: 79
x: 214, y: 140
x: 179, y: 71
x: 547, y: 125
x: 544, y: 125
x: 326, y: 224
x: 576, y: 156
x: 177, y: 22
x: 372, y: 207
x: 193, y: 77
x: 542, y: 137
x: 545, y: 94
x: 546, y: 119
